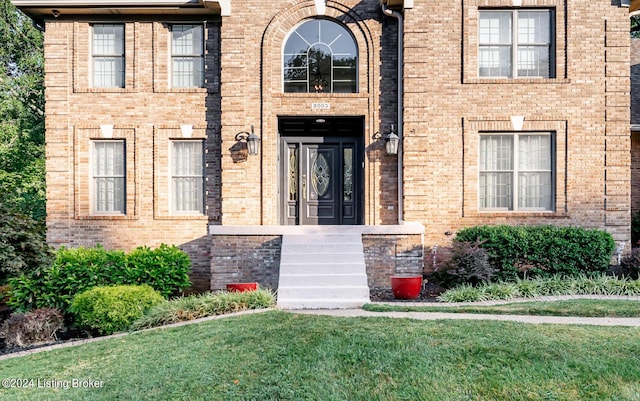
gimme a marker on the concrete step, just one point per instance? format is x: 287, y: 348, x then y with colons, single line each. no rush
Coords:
x: 322, y: 280
x: 322, y: 271
x: 334, y: 303
x: 326, y: 258
x: 322, y: 238
x: 324, y: 248
x: 321, y: 268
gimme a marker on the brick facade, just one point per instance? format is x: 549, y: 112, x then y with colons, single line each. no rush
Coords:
x: 446, y: 107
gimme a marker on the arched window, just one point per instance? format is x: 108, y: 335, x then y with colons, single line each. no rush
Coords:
x: 320, y: 56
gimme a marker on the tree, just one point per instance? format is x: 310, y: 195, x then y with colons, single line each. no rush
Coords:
x: 635, y: 26
x: 22, y: 175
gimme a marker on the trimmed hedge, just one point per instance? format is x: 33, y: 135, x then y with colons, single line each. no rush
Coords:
x: 112, y: 309
x: 76, y: 270
x: 542, y: 251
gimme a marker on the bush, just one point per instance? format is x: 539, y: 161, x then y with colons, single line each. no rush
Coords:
x: 23, y: 247
x: 542, y: 251
x: 80, y: 269
x: 38, y: 326
x: 198, y: 306
x: 635, y: 229
x: 111, y: 309
x: 467, y: 263
x: 630, y: 264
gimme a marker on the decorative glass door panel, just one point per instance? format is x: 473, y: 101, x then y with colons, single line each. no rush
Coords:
x: 321, y: 170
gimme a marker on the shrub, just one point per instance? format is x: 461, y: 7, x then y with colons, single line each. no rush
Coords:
x: 165, y: 268
x: 38, y: 326
x: 111, y: 309
x: 208, y: 304
x: 23, y: 247
x: 542, y: 251
x: 80, y: 269
x: 467, y: 263
x: 630, y: 264
x: 635, y: 229
x: 463, y: 293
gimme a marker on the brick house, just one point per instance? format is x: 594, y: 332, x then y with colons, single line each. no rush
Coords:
x: 506, y: 111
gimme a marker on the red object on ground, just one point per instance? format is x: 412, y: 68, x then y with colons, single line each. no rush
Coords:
x: 242, y: 287
x: 406, y: 287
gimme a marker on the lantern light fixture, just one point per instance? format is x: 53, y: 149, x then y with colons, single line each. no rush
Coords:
x: 392, y: 141
x: 251, y: 139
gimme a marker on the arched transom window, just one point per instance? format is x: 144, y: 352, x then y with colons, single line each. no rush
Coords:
x: 320, y: 56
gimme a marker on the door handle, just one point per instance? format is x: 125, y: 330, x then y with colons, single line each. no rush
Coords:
x: 304, y: 186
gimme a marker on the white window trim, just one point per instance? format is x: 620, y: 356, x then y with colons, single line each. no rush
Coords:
x: 93, y: 56
x: 514, y: 44
x: 92, y: 194
x: 171, y: 55
x: 515, y: 170
x: 172, y: 206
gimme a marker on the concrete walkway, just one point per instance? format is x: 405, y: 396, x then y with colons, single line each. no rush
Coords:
x: 593, y: 321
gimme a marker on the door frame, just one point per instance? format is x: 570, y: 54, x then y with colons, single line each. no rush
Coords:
x: 318, y: 130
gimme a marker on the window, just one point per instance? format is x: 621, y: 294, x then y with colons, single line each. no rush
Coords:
x: 187, y: 176
x: 187, y: 56
x: 320, y: 56
x: 108, y: 160
x: 515, y: 43
x: 108, y: 56
x: 516, y: 172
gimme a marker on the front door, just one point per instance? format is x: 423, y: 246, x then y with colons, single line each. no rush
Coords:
x: 322, y: 179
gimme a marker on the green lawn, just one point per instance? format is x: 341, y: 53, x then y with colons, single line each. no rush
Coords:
x: 574, y: 307
x: 285, y: 356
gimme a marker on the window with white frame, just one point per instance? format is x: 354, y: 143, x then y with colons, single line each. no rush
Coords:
x: 108, y: 177
x: 516, y: 172
x: 516, y: 43
x: 187, y: 56
x: 187, y: 176
x: 320, y: 56
x: 108, y: 55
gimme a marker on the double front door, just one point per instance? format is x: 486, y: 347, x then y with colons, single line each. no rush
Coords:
x: 322, y: 180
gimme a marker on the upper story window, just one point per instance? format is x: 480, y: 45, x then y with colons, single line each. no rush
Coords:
x: 187, y: 56
x: 516, y: 43
x: 320, y: 56
x: 108, y: 177
x: 108, y: 55
x: 516, y: 172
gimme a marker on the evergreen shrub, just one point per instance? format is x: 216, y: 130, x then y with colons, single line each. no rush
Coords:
x: 543, y: 250
x: 112, y: 309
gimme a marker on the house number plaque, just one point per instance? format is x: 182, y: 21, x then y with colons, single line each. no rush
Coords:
x: 320, y: 106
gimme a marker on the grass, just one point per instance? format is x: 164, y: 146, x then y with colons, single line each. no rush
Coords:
x: 574, y: 307
x: 285, y: 356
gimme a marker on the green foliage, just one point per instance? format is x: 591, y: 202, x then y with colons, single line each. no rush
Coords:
x: 38, y: 326
x: 548, y: 286
x: 467, y: 262
x: 23, y: 247
x: 22, y: 172
x: 197, y: 306
x: 165, y: 268
x: 76, y: 270
x: 111, y: 309
x: 542, y: 251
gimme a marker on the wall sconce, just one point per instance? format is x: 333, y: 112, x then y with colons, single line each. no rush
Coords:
x: 251, y: 139
x: 625, y: 3
x: 392, y: 141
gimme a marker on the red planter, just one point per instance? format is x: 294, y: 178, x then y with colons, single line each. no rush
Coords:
x: 406, y: 287
x: 242, y: 287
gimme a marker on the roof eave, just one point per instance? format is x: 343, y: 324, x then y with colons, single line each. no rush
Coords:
x: 40, y: 10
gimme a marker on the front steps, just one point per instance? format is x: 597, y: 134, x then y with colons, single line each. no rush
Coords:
x: 322, y: 271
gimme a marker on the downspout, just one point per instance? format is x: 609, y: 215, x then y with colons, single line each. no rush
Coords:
x: 394, y: 14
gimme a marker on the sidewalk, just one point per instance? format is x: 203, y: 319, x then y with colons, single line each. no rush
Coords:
x: 593, y: 321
